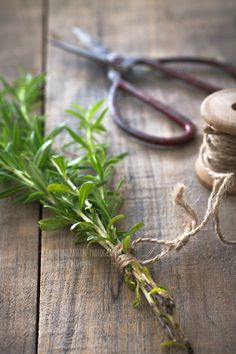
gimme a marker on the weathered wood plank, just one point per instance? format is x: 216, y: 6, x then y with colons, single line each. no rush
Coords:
x: 83, y: 308
x: 20, y: 42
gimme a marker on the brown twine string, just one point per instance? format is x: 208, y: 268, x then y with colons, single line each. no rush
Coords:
x: 218, y: 152
x: 218, y: 155
x: 121, y: 260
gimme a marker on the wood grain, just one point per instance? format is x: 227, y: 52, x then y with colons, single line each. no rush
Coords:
x: 83, y: 306
x: 20, y: 39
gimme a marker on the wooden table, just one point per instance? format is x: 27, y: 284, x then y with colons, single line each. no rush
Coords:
x: 55, y: 299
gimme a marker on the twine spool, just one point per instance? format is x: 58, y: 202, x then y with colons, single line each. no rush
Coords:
x: 217, y: 155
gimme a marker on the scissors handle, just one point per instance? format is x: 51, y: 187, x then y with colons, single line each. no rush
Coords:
x: 188, y: 127
x: 159, y: 65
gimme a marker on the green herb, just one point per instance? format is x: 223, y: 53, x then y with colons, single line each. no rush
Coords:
x: 76, y: 191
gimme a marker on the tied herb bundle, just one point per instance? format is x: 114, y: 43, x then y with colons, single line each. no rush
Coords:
x: 76, y: 191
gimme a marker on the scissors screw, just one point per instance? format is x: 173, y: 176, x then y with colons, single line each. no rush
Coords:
x: 114, y: 58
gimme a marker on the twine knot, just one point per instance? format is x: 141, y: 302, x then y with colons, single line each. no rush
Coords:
x: 120, y: 259
x: 181, y: 243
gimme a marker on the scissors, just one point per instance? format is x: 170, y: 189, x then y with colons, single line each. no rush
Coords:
x: 119, y: 67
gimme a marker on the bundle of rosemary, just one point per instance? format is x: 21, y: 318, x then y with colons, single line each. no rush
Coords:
x: 76, y: 191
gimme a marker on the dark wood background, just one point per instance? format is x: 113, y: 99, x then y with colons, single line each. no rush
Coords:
x: 53, y: 298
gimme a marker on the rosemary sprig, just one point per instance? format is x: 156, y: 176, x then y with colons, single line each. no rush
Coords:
x: 76, y: 191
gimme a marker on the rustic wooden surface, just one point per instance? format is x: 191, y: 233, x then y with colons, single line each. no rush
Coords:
x: 20, y: 42
x: 83, y: 305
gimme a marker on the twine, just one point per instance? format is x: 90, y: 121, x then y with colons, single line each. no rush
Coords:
x: 122, y: 260
x: 218, y: 152
x: 218, y: 157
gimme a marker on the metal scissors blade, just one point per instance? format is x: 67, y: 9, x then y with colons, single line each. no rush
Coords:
x: 90, y: 42
x: 95, y: 51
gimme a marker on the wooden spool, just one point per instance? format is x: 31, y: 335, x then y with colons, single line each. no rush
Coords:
x: 219, y: 111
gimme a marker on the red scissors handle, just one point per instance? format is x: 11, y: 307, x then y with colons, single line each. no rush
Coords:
x: 188, y: 127
x: 159, y: 65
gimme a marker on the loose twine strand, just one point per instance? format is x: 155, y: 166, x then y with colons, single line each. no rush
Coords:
x: 218, y: 157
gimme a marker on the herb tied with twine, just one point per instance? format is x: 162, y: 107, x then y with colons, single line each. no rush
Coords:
x: 77, y: 191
